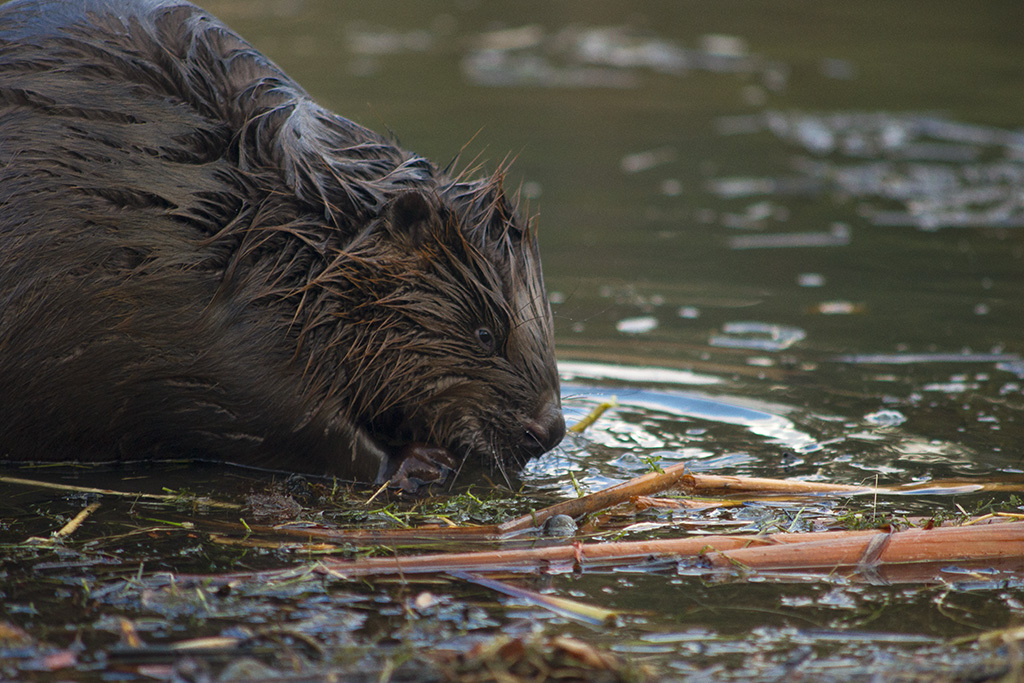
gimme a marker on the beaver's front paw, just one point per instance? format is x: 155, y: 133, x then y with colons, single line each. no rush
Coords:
x: 419, y: 464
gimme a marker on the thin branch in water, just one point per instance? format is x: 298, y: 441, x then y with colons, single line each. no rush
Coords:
x: 593, y: 415
x: 165, y: 497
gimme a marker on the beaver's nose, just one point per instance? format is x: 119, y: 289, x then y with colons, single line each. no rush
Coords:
x: 545, y: 430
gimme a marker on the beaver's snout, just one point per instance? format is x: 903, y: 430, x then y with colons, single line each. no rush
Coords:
x: 545, y: 430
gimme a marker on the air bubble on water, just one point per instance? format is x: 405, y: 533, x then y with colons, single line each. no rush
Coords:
x: 885, y: 418
x: 630, y: 462
x: 839, y: 598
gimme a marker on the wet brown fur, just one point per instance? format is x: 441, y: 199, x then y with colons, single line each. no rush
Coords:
x: 196, y: 259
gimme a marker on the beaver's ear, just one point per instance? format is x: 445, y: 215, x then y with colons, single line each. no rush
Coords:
x: 411, y: 218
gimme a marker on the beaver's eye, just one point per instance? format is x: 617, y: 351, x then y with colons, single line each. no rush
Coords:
x: 485, y: 338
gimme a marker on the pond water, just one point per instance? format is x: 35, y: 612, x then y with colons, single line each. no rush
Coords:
x: 787, y: 236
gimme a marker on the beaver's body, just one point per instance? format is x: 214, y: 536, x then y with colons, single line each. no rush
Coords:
x: 197, y: 260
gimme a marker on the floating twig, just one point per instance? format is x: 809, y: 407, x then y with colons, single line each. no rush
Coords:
x: 76, y: 521
x: 911, y: 555
x: 164, y: 497
x: 644, y: 485
x: 705, y: 484
x: 829, y: 551
x: 591, y: 417
x: 565, y: 607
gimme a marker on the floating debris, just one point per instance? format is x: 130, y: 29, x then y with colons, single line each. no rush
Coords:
x: 838, y: 308
x: 757, y: 335
x: 592, y: 417
x: 565, y: 607
x: 837, y: 236
x: 638, y: 325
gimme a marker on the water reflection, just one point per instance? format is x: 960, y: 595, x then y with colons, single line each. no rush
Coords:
x: 602, y: 57
x: 941, y: 173
x: 576, y: 369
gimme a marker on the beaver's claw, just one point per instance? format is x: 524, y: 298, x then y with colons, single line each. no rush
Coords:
x: 419, y: 464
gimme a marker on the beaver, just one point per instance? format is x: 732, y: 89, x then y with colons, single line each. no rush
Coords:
x: 197, y: 260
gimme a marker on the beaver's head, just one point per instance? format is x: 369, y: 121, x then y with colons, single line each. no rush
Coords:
x: 443, y: 326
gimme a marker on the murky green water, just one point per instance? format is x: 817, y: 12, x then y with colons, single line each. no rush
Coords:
x: 788, y: 236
